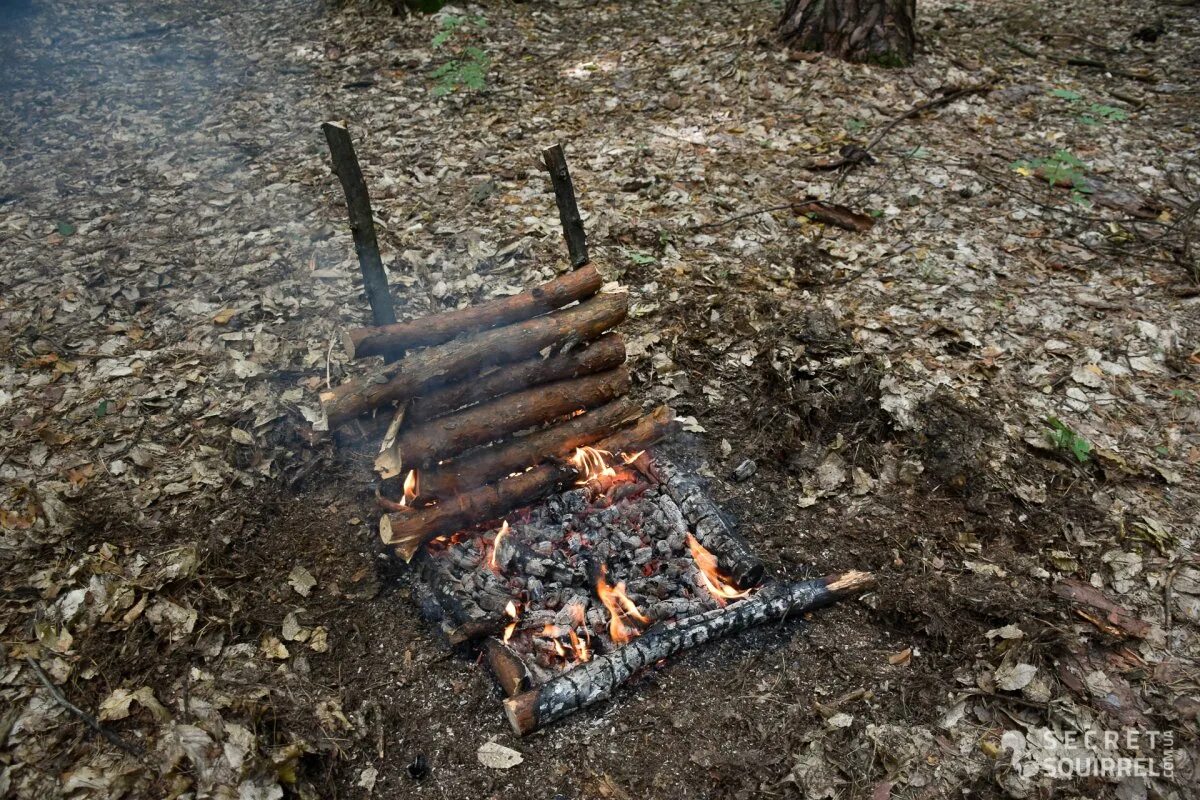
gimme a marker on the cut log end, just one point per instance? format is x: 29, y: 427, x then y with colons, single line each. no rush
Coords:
x: 521, y: 712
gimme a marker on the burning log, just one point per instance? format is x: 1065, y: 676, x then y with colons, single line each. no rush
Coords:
x: 734, y: 555
x: 408, y: 531
x: 394, y: 339
x: 488, y: 464
x: 403, y: 380
x: 598, y: 679
x: 605, y: 353
x: 445, y: 437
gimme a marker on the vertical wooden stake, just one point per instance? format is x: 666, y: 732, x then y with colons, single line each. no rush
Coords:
x: 568, y: 211
x: 358, y: 203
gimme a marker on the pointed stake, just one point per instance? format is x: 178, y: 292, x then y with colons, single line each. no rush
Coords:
x: 358, y: 203
x: 568, y: 210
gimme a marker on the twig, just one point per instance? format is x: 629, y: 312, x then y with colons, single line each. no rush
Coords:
x: 87, y: 718
x: 857, y: 155
x: 829, y: 213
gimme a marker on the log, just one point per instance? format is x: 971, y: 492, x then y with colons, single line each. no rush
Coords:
x: 425, y: 445
x: 508, y: 667
x: 607, y: 352
x: 598, y: 679
x: 488, y: 464
x: 438, y: 366
x: 734, y: 554
x: 362, y: 225
x: 568, y: 209
x: 394, y: 339
x: 407, y: 531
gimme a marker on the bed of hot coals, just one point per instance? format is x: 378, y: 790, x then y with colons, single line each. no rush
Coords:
x: 580, y: 573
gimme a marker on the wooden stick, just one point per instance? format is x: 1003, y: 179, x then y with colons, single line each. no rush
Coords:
x: 425, y: 445
x: 599, y: 678
x: 85, y: 717
x: 407, y: 531
x: 488, y: 464
x: 394, y: 339
x: 455, y: 360
x: 607, y: 352
x: 734, y: 555
x: 568, y: 210
x: 362, y: 226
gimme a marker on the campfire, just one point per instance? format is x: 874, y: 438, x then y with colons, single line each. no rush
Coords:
x: 545, y: 527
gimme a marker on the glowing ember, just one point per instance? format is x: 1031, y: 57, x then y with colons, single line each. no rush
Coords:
x: 590, y: 464
x: 496, y: 545
x: 620, y: 608
x: 717, y: 584
x: 412, y: 487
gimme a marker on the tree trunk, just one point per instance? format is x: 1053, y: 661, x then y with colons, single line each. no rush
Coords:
x: 870, y: 31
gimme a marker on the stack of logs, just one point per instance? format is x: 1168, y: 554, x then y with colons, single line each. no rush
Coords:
x: 481, y: 404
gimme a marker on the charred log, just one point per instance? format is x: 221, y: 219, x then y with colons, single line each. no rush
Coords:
x: 871, y: 31
x: 734, y: 555
x: 394, y: 339
x: 485, y: 465
x: 459, y: 359
x: 598, y: 679
x: 407, y: 531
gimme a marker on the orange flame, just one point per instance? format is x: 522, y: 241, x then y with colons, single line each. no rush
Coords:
x: 511, y: 611
x: 580, y: 649
x: 496, y: 545
x: 590, y: 464
x: 629, y: 458
x: 412, y: 487
x: 619, y: 608
x: 717, y: 584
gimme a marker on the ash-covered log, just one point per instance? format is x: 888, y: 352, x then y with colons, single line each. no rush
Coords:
x: 599, y: 678
x: 407, y: 531
x: 487, y: 464
x: 734, y: 554
x: 394, y: 339
x: 458, y: 359
x: 607, y: 352
x: 445, y: 437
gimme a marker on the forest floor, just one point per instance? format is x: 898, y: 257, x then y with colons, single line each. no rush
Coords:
x: 990, y: 398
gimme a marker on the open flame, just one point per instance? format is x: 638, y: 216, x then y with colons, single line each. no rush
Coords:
x: 590, y: 464
x: 514, y: 614
x: 412, y: 487
x: 620, y: 609
x: 721, y: 589
x: 496, y: 545
x: 574, y: 647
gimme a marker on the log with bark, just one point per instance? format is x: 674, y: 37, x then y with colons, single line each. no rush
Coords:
x: 426, y: 444
x: 872, y: 31
x: 607, y: 352
x: 734, y: 555
x: 490, y: 463
x: 455, y: 360
x: 406, y: 531
x: 599, y: 678
x: 394, y: 339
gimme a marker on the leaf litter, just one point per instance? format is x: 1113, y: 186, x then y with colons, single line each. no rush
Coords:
x: 990, y: 393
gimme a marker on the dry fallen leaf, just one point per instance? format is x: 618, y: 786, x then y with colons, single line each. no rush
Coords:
x: 496, y: 756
